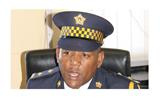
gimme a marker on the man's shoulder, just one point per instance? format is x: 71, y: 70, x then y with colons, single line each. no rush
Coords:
x: 117, y: 80
x: 113, y: 76
x: 46, y: 73
x: 45, y: 79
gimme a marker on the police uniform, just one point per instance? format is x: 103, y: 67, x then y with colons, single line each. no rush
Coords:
x: 52, y: 79
x: 84, y: 32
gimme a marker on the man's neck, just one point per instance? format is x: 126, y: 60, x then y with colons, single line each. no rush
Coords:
x: 85, y: 86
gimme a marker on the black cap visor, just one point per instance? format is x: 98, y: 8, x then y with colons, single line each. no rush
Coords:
x: 76, y: 44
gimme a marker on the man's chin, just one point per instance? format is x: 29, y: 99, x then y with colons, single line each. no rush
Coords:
x: 74, y: 85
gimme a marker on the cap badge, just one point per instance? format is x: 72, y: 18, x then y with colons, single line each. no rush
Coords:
x: 79, y: 19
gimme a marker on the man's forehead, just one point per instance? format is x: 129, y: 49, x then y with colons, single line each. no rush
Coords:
x: 62, y: 50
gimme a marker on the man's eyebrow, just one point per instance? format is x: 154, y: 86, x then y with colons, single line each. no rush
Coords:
x: 65, y: 50
x: 98, y: 50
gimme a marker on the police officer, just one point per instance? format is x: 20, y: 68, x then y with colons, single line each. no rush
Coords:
x: 79, y: 56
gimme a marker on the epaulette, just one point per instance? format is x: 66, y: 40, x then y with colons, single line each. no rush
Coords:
x: 132, y: 81
x: 120, y: 74
x: 44, y: 73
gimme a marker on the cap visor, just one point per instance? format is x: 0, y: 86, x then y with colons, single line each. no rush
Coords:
x: 76, y: 44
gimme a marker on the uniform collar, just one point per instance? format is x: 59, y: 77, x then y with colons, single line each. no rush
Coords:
x: 85, y: 86
x: 98, y: 80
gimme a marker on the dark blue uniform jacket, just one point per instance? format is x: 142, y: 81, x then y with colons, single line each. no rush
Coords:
x: 52, y: 79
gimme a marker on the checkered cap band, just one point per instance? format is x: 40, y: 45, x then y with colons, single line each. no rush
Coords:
x: 81, y: 32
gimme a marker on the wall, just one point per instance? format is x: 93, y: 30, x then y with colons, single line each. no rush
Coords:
x: 131, y: 28
x: 27, y: 33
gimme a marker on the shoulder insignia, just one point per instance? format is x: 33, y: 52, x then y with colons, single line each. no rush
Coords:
x: 129, y: 78
x: 132, y: 81
x: 120, y: 74
x: 44, y: 73
x: 33, y: 75
x: 138, y: 86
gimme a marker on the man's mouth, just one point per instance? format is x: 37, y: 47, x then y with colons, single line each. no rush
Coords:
x: 73, y: 75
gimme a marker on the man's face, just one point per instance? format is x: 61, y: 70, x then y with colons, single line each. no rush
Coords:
x: 77, y: 68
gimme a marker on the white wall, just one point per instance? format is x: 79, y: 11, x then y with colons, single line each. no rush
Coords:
x: 130, y: 33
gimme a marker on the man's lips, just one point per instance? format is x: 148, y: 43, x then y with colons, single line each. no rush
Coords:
x: 73, y: 75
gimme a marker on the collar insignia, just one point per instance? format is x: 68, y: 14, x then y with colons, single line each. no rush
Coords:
x: 98, y: 85
x: 58, y: 83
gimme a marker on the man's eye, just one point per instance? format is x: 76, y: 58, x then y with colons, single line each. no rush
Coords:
x: 85, y: 55
x: 65, y: 52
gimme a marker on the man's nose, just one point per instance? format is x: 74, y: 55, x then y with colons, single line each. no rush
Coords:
x: 76, y: 59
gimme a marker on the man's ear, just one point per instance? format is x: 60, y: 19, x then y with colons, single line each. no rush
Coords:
x: 100, y: 58
x: 57, y: 54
